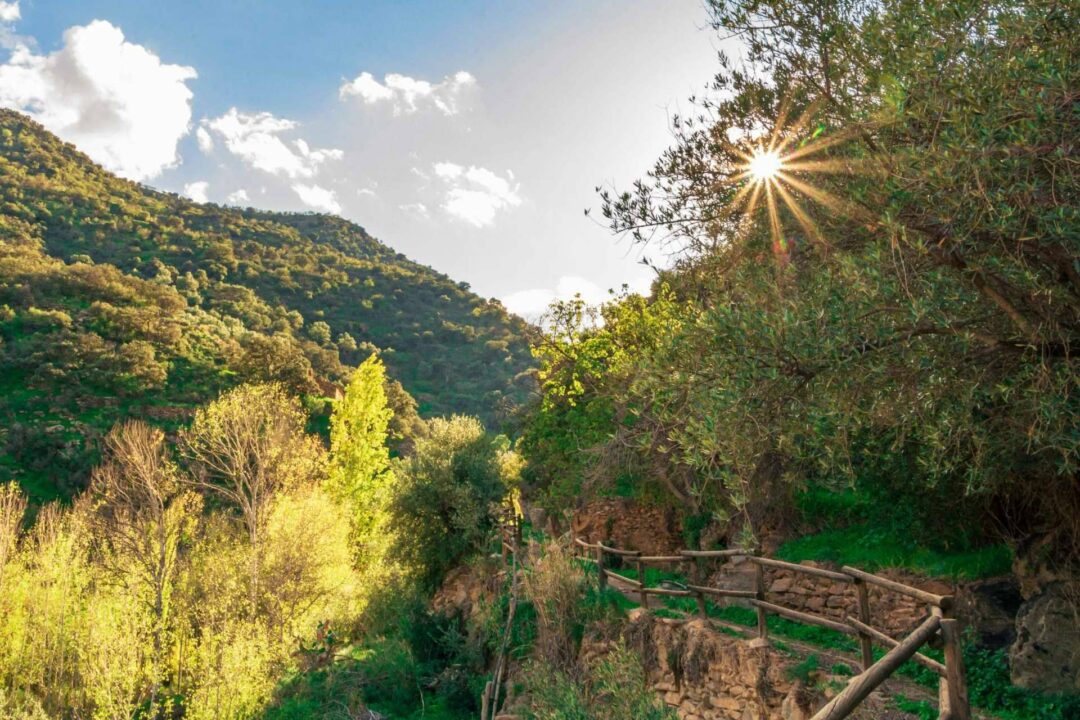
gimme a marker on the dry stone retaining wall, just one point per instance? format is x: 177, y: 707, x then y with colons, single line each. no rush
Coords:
x: 708, y: 675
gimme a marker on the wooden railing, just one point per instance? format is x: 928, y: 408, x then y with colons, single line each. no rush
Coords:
x: 939, y: 626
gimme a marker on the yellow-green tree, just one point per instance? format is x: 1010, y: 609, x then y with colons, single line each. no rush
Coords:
x: 140, y: 516
x: 246, y: 446
x: 360, y: 473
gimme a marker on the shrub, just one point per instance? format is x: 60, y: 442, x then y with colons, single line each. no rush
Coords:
x: 446, y: 491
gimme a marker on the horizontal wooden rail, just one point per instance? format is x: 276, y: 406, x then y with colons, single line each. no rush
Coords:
x: 714, y: 553
x: 584, y: 544
x: 883, y: 639
x: 945, y: 602
x: 660, y: 559
x: 665, y: 591
x: 720, y: 592
x: 623, y: 578
x: 808, y: 618
x: 805, y: 569
x: 621, y: 553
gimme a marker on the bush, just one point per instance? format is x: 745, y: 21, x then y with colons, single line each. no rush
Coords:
x: 446, y: 491
x: 614, y: 689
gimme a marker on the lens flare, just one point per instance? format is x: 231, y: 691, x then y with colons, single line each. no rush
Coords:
x: 764, y: 165
x: 779, y: 174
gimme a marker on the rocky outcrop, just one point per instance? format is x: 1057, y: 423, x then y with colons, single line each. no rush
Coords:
x: 468, y: 589
x: 1046, y: 654
x: 708, y: 675
x: 628, y: 524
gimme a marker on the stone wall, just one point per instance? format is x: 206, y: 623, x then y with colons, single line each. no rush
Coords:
x: 891, y: 612
x: 708, y: 675
x: 627, y: 524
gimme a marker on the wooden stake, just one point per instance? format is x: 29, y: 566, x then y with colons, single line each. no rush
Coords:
x: 954, y: 670
x: 699, y: 580
x: 866, y: 644
x: 601, y: 576
x: 641, y: 578
x: 759, y: 589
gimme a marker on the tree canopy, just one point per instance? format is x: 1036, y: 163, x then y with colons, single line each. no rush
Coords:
x: 896, y: 308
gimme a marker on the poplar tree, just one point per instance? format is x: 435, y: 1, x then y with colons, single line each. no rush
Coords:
x: 360, y: 473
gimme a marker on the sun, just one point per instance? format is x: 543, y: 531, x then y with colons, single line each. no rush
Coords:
x: 764, y: 165
x: 778, y: 173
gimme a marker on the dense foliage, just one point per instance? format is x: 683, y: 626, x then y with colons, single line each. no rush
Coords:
x: 222, y: 575
x: 119, y: 301
x: 896, y: 313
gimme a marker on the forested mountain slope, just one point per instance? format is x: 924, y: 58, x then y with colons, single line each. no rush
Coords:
x: 118, y: 300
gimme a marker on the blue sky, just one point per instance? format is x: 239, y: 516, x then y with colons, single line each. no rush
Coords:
x: 469, y: 135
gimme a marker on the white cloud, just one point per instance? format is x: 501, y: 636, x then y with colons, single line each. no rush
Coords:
x: 531, y: 304
x: 476, y: 194
x: 9, y: 11
x: 318, y: 198
x: 197, y: 190
x: 419, y: 209
x: 406, y: 95
x: 240, y: 197
x: 255, y: 140
x: 206, y: 142
x: 113, y: 99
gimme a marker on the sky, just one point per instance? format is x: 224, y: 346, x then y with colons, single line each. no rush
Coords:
x: 469, y: 135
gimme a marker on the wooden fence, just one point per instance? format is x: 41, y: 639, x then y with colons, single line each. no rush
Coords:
x: 939, y: 628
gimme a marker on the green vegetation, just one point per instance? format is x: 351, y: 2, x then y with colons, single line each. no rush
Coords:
x: 244, y: 571
x: 870, y: 548
x: 226, y: 503
x: 443, y: 501
x: 891, y: 320
x: 615, y: 688
x: 119, y: 301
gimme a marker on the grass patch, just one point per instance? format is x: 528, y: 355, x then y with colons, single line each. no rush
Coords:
x: 872, y: 549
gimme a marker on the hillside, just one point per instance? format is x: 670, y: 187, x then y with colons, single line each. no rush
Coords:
x: 118, y: 300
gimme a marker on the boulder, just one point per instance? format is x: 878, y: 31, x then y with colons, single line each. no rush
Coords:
x: 1046, y: 653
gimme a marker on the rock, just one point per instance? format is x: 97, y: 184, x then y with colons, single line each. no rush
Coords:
x: 792, y: 709
x: 990, y: 607
x: 627, y: 524
x: 781, y: 585
x: 1046, y: 654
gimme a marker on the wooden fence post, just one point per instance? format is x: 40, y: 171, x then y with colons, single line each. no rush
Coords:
x: 958, y: 709
x: 865, y: 642
x: 759, y: 590
x: 641, y: 579
x: 601, y: 577
x: 699, y: 580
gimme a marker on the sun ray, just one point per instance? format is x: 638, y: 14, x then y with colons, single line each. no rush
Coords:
x: 819, y: 144
x: 794, y: 130
x: 821, y: 196
x: 803, y: 218
x: 832, y: 167
x: 754, y: 197
x: 774, y: 140
x: 779, y: 243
